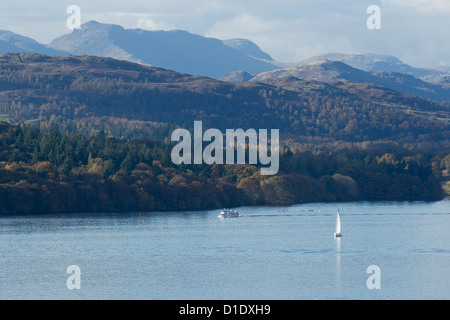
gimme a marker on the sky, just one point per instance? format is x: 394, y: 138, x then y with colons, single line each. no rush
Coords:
x: 415, y: 31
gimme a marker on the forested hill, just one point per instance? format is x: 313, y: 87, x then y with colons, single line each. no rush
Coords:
x: 88, y: 95
x: 44, y: 172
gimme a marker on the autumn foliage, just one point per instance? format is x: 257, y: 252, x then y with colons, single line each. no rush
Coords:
x: 45, y: 171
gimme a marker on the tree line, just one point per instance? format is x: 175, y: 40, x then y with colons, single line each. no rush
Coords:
x: 47, y: 171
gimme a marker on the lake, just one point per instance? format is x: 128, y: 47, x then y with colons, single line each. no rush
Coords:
x: 267, y: 253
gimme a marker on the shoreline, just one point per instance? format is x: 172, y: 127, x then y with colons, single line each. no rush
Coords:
x: 118, y: 213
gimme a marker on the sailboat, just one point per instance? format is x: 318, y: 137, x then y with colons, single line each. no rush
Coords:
x: 338, y: 234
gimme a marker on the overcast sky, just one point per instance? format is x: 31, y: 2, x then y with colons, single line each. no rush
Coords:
x: 416, y: 31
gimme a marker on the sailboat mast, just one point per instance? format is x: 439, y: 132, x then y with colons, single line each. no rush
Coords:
x: 338, y: 225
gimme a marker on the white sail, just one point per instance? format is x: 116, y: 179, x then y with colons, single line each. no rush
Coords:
x: 338, y: 225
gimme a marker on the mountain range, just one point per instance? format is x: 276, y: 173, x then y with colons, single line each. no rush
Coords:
x: 328, y: 71
x: 175, y: 50
x: 185, y: 52
x: 88, y: 94
x: 382, y: 63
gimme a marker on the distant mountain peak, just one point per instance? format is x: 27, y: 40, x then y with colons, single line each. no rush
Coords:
x: 327, y: 64
x: 10, y: 36
x: 14, y: 42
x: 93, y: 23
x: 238, y: 76
x: 371, y: 62
x: 248, y: 47
x: 94, y: 26
x: 317, y: 62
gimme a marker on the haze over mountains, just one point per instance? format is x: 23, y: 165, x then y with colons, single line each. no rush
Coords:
x: 13, y: 42
x: 185, y: 52
x: 175, y: 50
x: 381, y: 63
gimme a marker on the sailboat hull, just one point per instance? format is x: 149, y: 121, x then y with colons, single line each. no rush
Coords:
x: 337, y: 235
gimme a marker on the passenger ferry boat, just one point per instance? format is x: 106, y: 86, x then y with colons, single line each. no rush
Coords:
x: 228, y: 214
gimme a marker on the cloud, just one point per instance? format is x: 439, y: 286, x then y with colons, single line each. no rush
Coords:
x: 414, y: 31
x: 142, y: 21
x: 243, y: 23
x: 286, y: 40
x: 151, y: 24
x: 423, y: 6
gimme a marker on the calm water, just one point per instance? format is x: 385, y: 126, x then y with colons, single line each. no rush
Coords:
x: 268, y: 253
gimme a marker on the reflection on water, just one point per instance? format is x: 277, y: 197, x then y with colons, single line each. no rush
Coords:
x: 338, y: 264
x: 266, y: 253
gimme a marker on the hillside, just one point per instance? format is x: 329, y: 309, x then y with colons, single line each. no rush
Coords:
x: 236, y: 77
x: 88, y: 94
x: 369, y: 92
x: 334, y: 71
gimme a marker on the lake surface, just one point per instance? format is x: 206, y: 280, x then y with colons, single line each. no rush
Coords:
x: 267, y: 253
